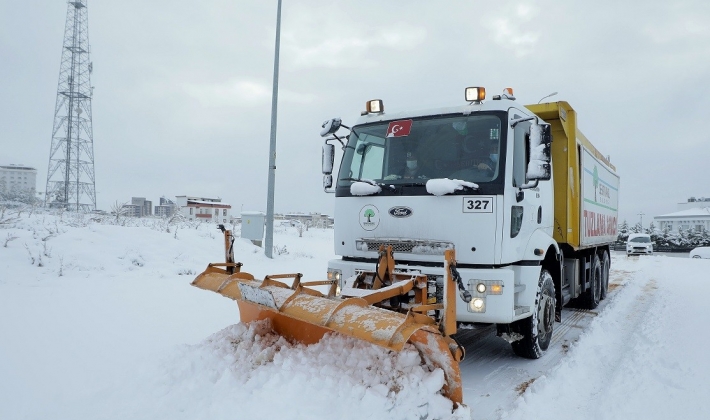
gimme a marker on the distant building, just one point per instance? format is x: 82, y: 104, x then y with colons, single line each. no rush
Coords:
x: 167, y: 208
x: 693, y: 214
x: 203, y: 208
x: 131, y: 210
x: 17, y: 178
x: 313, y: 219
x: 693, y: 202
x: 146, y: 206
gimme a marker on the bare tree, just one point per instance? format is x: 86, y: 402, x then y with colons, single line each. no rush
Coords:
x: 120, y: 211
x: 6, y: 219
x: 9, y: 238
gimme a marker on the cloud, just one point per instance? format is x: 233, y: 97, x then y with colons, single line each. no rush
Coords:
x: 350, y: 46
x: 241, y: 93
x: 509, y: 30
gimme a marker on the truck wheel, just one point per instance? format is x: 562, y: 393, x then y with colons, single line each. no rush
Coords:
x: 595, y: 287
x: 606, y: 263
x: 536, y: 330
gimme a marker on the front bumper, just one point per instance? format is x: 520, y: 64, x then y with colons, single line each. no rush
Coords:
x: 639, y: 251
x: 514, y: 302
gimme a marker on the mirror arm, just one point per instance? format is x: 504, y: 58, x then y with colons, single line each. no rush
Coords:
x: 531, y: 184
x: 515, y: 122
x: 342, y: 144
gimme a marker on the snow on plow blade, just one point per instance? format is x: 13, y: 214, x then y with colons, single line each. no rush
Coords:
x: 302, y: 314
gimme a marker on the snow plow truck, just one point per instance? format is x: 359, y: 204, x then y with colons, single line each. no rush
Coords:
x: 488, y: 212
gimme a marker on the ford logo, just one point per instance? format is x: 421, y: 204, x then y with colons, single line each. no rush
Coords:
x: 400, y: 212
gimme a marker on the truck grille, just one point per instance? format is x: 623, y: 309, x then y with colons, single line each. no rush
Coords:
x: 410, y: 246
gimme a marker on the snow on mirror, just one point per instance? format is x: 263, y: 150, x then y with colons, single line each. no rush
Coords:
x: 539, y: 164
x: 330, y: 126
x: 328, y: 158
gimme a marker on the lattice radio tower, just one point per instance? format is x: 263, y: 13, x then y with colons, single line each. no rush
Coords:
x: 70, y: 176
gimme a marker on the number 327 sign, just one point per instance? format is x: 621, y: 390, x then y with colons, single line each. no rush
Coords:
x: 478, y: 204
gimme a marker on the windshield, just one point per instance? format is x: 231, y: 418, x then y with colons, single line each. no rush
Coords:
x: 643, y: 239
x: 412, y: 151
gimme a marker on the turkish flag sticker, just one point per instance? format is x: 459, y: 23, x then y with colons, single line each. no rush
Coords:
x: 399, y: 128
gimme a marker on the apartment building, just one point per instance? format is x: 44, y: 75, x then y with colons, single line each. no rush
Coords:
x: 204, y: 208
x: 15, y: 178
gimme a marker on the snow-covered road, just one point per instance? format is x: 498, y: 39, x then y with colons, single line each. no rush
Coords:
x: 121, y: 334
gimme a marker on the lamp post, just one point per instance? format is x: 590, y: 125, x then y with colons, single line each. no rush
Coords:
x: 269, y: 240
x: 552, y: 94
x: 641, y: 216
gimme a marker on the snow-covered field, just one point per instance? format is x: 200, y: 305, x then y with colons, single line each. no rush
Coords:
x: 99, y: 321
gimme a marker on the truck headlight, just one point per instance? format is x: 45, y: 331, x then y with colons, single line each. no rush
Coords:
x: 334, y: 274
x: 477, y: 305
x: 485, y: 287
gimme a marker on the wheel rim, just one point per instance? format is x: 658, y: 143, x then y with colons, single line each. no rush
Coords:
x: 545, y: 315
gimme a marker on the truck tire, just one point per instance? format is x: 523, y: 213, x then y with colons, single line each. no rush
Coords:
x: 606, y: 263
x: 536, y: 330
x: 593, y: 295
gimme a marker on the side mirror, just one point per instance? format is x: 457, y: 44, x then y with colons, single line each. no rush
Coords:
x: 330, y: 127
x: 328, y: 158
x: 539, y: 168
x: 327, y: 181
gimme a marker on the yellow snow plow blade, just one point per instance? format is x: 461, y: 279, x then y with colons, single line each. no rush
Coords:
x: 302, y: 314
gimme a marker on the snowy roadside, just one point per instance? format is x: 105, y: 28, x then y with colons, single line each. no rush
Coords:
x: 107, y: 326
x: 121, y: 334
x: 642, y: 357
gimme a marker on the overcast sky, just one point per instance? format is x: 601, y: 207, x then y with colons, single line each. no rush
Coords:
x: 182, y: 96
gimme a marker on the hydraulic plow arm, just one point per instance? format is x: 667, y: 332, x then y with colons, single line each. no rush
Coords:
x: 300, y: 313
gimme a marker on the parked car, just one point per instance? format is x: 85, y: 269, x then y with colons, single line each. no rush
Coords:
x: 639, y: 243
x: 700, y: 252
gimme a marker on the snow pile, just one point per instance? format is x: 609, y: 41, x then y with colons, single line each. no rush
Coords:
x: 251, y: 372
x: 100, y: 321
x: 443, y: 186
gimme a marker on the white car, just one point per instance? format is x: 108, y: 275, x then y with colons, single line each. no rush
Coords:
x: 639, y: 243
x: 700, y: 252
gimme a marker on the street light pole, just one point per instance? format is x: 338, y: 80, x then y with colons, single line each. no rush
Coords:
x: 641, y: 216
x: 269, y: 240
x: 544, y: 97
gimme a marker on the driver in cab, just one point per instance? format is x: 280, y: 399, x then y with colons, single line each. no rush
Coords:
x: 412, y: 169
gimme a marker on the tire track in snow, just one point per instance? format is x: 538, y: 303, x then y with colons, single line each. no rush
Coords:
x: 617, y: 333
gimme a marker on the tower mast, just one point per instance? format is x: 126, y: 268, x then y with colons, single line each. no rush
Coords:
x: 70, y: 176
